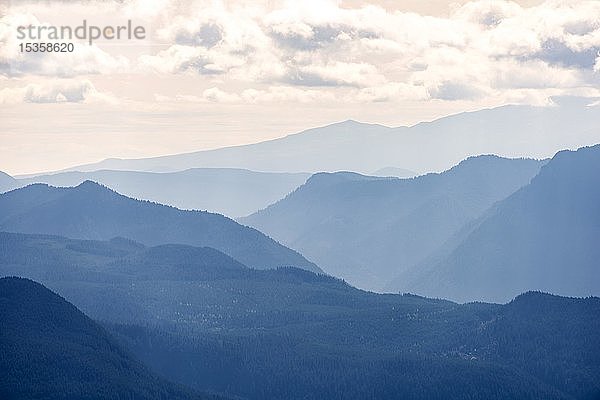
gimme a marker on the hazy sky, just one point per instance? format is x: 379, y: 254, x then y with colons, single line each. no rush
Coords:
x: 213, y: 73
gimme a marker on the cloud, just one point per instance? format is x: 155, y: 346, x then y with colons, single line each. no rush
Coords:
x: 56, y: 91
x: 336, y: 74
x: 287, y: 94
x: 555, y: 52
x: 481, y: 50
x: 220, y: 96
x: 83, y: 60
x: 455, y: 91
x: 464, y: 56
x: 391, y: 91
x: 251, y: 96
x: 180, y: 58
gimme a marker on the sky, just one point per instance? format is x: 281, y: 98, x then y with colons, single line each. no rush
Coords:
x: 210, y: 74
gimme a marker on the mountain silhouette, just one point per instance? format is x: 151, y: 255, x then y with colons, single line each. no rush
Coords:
x: 546, y: 236
x: 509, y: 131
x: 51, y: 350
x: 228, y: 191
x: 368, y: 229
x: 92, y: 211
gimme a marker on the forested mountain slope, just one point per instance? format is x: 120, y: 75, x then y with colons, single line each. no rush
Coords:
x: 367, y: 230
x: 92, y: 211
x: 50, y: 350
x: 202, y: 319
x: 546, y: 236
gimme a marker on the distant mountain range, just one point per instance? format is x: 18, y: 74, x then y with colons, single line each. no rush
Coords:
x: 50, y: 350
x: 368, y: 229
x: 91, y: 211
x: 200, y: 318
x: 511, y: 131
x: 228, y: 191
x: 546, y: 236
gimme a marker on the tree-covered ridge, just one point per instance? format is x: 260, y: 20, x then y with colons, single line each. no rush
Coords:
x: 92, y: 211
x: 289, y: 333
x: 50, y: 350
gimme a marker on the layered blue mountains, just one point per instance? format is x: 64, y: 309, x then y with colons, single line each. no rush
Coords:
x: 229, y: 191
x: 92, y: 211
x: 545, y: 236
x: 509, y: 131
x: 487, y: 229
x: 369, y: 229
x: 447, y: 260
x: 200, y: 319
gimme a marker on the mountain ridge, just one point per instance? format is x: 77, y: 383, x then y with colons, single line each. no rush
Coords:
x: 341, y: 146
x: 92, y: 211
x: 50, y: 349
x: 364, y: 228
x: 228, y: 191
x: 543, y: 236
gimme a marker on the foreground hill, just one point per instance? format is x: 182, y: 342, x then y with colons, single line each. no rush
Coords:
x: 91, y: 211
x: 228, y: 191
x: 546, y: 236
x: 291, y: 334
x: 511, y: 131
x: 367, y: 230
x: 50, y: 350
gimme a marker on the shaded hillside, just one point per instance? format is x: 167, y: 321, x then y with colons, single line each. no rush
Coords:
x: 50, y: 350
x: 228, y: 191
x: 367, y: 229
x: 545, y: 236
x: 91, y: 211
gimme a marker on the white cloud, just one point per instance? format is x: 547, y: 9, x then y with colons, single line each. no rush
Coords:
x: 83, y: 60
x: 56, y: 91
x: 287, y: 94
x: 251, y: 96
x: 391, y: 91
x: 180, y: 58
x: 337, y: 74
x: 481, y: 50
x: 217, y: 95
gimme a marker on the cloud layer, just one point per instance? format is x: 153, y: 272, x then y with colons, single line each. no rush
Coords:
x: 247, y: 52
x: 482, y: 49
x: 56, y: 91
